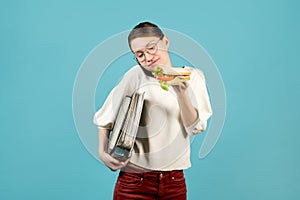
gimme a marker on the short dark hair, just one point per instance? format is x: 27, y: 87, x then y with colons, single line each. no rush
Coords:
x: 145, y: 29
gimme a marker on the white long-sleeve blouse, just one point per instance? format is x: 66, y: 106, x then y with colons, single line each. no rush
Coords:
x: 162, y: 142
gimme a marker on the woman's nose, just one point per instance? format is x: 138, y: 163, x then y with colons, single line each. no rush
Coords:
x: 148, y: 57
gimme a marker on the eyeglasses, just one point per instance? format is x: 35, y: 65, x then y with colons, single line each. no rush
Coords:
x: 151, y: 48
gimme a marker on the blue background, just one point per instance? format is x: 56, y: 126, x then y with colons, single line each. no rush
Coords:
x: 254, y: 44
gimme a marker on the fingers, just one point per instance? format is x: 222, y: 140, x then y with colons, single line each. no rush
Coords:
x: 181, y: 83
x: 126, y: 162
x: 114, y: 164
x: 180, y: 86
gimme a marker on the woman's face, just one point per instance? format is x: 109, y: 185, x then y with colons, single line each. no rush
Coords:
x: 151, y: 51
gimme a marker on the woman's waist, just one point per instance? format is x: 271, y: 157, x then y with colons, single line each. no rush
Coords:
x: 139, y: 172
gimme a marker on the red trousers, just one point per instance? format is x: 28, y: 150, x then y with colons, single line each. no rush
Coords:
x: 151, y: 186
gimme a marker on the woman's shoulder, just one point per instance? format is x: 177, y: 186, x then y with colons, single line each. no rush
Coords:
x: 133, y: 72
x: 131, y: 78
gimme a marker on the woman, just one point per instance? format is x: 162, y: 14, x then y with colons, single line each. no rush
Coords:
x: 162, y: 147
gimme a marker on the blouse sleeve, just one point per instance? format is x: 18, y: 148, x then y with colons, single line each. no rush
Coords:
x: 105, y: 117
x: 200, y: 100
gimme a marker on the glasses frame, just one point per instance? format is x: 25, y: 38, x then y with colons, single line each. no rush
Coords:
x: 146, y: 51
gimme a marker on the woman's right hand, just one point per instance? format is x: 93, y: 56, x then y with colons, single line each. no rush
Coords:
x: 112, y: 163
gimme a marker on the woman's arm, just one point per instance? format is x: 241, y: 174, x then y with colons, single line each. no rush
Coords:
x: 112, y: 163
x: 188, y: 112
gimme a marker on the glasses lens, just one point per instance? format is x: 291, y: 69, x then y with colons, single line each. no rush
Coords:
x: 140, y: 56
x: 151, y: 49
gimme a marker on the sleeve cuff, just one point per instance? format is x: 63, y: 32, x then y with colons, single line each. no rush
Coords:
x: 197, y: 127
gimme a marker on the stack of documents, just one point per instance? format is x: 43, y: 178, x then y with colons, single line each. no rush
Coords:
x: 126, y: 126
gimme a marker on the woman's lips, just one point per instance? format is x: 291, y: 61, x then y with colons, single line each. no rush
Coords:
x: 153, y: 63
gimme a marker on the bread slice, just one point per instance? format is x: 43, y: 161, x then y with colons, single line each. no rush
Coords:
x: 174, y: 71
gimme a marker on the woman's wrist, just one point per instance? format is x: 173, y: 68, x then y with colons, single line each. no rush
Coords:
x: 102, y: 155
x: 182, y: 95
x: 102, y: 152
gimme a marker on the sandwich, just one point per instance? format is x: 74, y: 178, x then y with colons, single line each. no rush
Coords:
x: 168, y: 76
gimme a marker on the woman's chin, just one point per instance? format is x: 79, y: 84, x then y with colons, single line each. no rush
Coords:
x: 150, y: 68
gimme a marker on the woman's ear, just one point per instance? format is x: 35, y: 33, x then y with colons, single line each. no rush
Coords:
x: 166, y: 41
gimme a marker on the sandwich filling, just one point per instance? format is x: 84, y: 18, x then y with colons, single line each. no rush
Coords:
x: 168, y: 76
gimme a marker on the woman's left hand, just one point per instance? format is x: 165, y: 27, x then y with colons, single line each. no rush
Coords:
x: 181, y: 87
